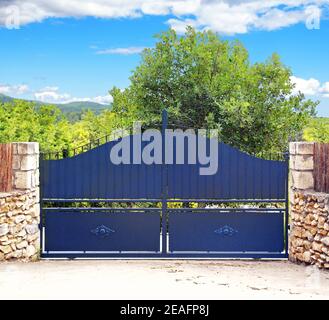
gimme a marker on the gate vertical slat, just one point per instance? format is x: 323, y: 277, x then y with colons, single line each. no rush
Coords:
x: 286, y: 228
x: 164, y: 183
x: 42, y: 182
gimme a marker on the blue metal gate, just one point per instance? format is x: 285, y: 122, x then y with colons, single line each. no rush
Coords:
x: 161, y: 231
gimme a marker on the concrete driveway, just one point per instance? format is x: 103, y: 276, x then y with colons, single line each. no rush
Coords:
x: 150, y: 279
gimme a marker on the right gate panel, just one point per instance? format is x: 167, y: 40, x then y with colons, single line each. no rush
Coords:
x: 221, y: 230
x: 239, y: 176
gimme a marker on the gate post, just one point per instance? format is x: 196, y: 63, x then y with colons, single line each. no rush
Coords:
x: 19, y: 201
x: 164, y: 182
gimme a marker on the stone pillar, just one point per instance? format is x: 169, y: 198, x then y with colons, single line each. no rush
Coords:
x: 309, y: 210
x: 25, y: 166
x: 20, y: 207
x: 301, y: 165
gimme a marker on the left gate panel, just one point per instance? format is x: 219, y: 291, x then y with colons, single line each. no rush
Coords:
x: 86, y: 231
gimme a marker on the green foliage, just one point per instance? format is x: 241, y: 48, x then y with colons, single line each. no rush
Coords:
x: 317, y: 130
x: 27, y: 121
x: 19, y: 121
x: 204, y: 81
x: 72, y: 110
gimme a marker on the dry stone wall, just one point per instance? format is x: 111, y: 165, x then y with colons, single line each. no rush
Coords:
x: 309, y: 210
x: 20, y: 208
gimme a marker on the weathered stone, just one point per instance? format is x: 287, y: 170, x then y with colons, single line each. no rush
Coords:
x: 35, y: 179
x: 297, y: 231
x: 304, y: 148
x: 321, y: 222
x: 29, y: 162
x: 308, y: 219
x: 35, y: 211
x: 19, y: 218
x: 322, y: 232
x: 22, y: 233
x: 292, y: 148
x: 22, y: 244
x: 297, y: 242
x: 23, y: 179
x: 318, y: 237
x: 302, y: 162
x: 5, y: 249
x: 316, y: 246
x: 325, y: 241
x: 307, y: 244
x: 6, y: 243
x: 15, y: 254
x: 27, y: 148
x: 32, y: 228
x: 4, y: 229
x: 30, y: 251
x: 312, y: 230
x: 3, y: 238
x: 302, y: 179
x: 306, y: 256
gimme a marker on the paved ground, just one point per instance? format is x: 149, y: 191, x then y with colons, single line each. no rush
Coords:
x: 161, y: 280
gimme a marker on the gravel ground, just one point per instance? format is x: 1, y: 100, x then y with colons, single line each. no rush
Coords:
x: 153, y: 279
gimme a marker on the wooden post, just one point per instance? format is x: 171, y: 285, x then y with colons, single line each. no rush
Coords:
x: 6, y: 163
x: 321, y: 167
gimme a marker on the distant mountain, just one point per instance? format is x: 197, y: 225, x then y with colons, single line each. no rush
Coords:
x: 72, y: 107
x: 4, y: 98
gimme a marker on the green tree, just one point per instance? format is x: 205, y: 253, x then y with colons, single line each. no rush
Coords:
x: 204, y: 81
x: 317, y: 130
x: 22, y: 121
x: 25, y: 121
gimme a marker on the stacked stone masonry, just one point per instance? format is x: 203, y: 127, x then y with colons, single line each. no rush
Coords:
x: 309, y: 210
x: 19, y: 225
x: 20, y: 208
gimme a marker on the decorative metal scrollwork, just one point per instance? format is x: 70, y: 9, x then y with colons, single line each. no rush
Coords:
x: 226, y: 231
x: 102, y: 231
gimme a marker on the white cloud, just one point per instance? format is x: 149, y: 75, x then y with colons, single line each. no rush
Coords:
x: 13, y: 89
x: 325, y: 89
x: 311, y: 87
x: 231, y: 17
x: 223, y: 16
x: 180, y: 25
x: 52, y: 95
x: 276, y: 19
x: 122, y: 51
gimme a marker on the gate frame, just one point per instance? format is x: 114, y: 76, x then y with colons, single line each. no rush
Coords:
x: 164, y: 253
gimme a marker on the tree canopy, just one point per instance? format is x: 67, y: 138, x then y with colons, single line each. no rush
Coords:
x: 204, y: 81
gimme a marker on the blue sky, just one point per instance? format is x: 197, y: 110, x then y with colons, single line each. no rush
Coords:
x: 66, y: 54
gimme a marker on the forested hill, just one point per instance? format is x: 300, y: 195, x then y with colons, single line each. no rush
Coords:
x: 69, y: 108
